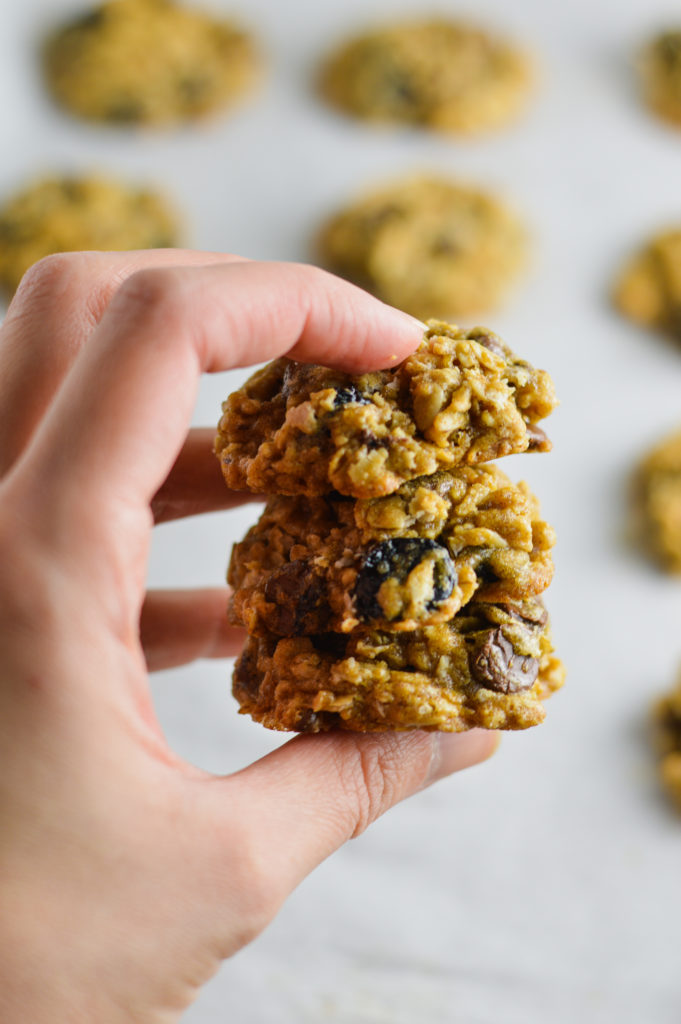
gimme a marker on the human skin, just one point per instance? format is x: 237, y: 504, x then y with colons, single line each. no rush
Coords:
x: 126, y: 874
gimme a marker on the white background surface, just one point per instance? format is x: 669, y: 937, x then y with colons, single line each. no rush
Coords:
x: 545, y: 885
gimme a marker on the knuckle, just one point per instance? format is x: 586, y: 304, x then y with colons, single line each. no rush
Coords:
x: 51, y: 277
x: 151, y: 292
x: 374, y: 778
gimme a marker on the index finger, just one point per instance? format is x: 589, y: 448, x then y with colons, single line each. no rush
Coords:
x: 121, y: 416
x: 53, y: 314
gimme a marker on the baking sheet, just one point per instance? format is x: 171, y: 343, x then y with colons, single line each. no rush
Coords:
x: 544, y: 885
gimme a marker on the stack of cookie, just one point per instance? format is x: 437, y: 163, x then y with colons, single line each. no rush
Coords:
x: 393, y: 579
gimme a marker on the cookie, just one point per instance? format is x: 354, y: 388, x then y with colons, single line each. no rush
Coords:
x: 71, y: 214
x: 660, y: 72
x: 492, y: 665
x: 414, y: 558
x: 136, y: 62
x: 667, y: 739
x: 658, y: 503
x: 443, y: 75
x: 649, y: 288
x: 427, y: 245
x: 462, y: 397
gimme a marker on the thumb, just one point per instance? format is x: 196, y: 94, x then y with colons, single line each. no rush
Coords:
x: 316, y: 792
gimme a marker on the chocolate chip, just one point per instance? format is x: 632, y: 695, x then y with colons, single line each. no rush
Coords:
x: 496, y: 666
x: 397, y: 558
x: 539, y: 442
x: 534, y: 614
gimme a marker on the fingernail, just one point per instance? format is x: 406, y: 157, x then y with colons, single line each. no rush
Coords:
x: 452, y: 752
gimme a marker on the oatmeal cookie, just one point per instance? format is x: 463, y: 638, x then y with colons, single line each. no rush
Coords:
x: 658, y: 503
x: 462, y: 397
x: 492, y: 665
x: 429, y: 246
x: 444, y: 75
x: 667, y: 739
x: 660, y: 71
x: 70, y: 214
x: 649, y: 288
x: 413, y: 558
x: 147, y: 62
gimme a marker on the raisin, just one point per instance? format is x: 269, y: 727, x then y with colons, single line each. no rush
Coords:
x: 348, y: 395
x: 397, y: 558
x: 492, y: 343
x: 298, y: 599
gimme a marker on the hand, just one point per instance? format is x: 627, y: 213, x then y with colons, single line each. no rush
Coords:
x: 127, y: 875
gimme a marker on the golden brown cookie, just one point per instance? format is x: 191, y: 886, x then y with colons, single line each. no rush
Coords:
x: 462, y: 397
x: 667, y: 739
x: 429, y: 246
x: 648, y: 290
x: 71, y: 214
x: 492, y: 665
x: 444, y: 75
x: 135, y: 62
x: 660, y: 70
x: 658, y: 503
x: 401, y: 562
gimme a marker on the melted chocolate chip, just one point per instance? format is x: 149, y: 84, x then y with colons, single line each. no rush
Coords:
x: 397, y: 558
x: 496, y: 666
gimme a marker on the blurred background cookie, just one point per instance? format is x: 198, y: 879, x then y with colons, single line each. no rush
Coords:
x: 147, y: 62
x: 68, y: 214
x: 658, y: 503
x: 660, y: 71
x: 667, y: 739
x: 444, y: 75
x: 427, y: 245
x: 648, y: 290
